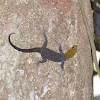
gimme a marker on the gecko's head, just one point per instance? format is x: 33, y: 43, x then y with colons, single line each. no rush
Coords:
x: 71, y: 52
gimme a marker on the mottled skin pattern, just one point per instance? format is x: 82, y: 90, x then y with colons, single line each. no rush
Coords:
x: 45, y: 52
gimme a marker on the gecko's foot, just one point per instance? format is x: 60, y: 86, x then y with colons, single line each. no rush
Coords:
x: 63, y: 71
x: 42, y: 61
x: 37, y: 64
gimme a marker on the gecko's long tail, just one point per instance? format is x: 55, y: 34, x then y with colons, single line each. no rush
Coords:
x: 23, y: 50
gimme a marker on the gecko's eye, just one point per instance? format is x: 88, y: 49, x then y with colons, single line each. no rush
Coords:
x: 73, y: 47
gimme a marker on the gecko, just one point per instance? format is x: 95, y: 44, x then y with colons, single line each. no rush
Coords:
x: 48, y: 54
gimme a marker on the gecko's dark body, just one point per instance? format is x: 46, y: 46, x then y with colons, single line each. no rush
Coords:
x: 46, y: 53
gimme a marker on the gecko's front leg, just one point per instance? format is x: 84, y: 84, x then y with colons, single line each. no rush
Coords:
x: 60, y: 49
x: 62, y: 65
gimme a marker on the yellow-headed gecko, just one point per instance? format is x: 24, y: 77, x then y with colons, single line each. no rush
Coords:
x: 47, y: 53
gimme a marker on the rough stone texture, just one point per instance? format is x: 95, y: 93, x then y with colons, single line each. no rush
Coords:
x: 20, y: 79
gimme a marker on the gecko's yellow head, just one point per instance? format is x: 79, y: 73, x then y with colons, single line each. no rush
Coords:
x: 71, y: 52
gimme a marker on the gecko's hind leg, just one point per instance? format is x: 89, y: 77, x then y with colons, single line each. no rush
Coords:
x: 45, y: 40
x: 42, y: 61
